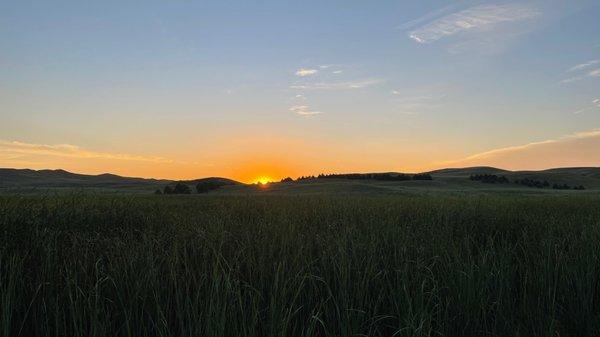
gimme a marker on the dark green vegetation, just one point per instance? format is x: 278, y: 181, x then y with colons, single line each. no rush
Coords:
x: 489, y: 178
x: 369, y: 176
x: 496, y: 179
x: 195, y: 265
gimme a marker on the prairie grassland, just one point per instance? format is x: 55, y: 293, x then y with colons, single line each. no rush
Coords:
x: 81, y: 265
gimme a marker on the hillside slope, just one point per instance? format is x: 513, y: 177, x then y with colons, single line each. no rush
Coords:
x: 444, y: 180
x: 26, y: 178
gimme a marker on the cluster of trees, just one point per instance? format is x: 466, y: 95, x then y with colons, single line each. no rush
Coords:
x: 368, y: 176
x: 179, y: 188
x: 207, y: 186
x: 545, y: 184
x: 182, y: 188
x: 495, y: 179
x: 533, y: 183
x: 489, y: 178
x: 567, y: 187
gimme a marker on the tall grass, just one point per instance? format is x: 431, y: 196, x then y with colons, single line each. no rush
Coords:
x: 299, y: 266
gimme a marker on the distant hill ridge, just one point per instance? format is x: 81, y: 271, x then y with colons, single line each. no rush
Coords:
x: 27, y: 178
x: 470, y: 170
x: 61, y: 178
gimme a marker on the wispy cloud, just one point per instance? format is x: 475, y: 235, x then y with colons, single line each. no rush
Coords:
x: 572, y: 79
x: 304, y: 110
x: 595, y: 105
x: 584, y: 65
x: 16, y: 148
x: 337, y: 72
x: 303, y: 72
x: 593, y: 73
x: 414, y: 104
x: 349, y: 85
x: 427, y: 17
x: 478, y: 18
x: 577, y: 149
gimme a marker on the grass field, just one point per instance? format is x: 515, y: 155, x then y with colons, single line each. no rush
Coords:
x: 504, y: 265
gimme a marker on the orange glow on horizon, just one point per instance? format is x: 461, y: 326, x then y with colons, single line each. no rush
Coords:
x: 263, y: 170
x: 263, y: 180
x: 271, y: 159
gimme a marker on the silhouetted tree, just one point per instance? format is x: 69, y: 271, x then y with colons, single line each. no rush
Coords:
x: 364, y: 176
x: 287, y: 180
x: 157, y: 192
x: 181, y: 188
x: 207, y: 186
x: 168, y: 190
x: 489, y: 178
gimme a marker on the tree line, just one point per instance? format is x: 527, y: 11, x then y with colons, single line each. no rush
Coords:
x: 489, y: 178
x: 545, y: 184
x: 366, y: 176
x: 496, y: 179
x: 182, y: 188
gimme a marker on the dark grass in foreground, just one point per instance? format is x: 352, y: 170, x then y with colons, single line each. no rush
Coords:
x: 300, y: 266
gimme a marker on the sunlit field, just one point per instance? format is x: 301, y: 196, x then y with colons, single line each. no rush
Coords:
x: 83, y: 265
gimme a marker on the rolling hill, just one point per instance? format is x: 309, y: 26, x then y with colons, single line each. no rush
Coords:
x: 12, y: 179
x: 455, y: 180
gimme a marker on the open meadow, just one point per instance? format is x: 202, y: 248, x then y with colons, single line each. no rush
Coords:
x: 80, y: 264
x: 315, y: 168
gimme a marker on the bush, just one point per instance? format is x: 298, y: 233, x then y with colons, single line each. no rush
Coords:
x: 544, y: 184
x: 181, y: 188
x: 207, y: 186
x: 489, y: 178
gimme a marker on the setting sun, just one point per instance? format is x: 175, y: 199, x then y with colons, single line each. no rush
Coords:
x: 263, y: 180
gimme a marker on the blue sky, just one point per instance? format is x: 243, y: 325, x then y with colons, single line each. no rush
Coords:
x: 303, y: 86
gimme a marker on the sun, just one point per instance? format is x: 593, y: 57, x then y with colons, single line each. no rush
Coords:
x: 263, y: 180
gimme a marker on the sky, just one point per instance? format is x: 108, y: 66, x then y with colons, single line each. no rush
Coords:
x: 251, y: 89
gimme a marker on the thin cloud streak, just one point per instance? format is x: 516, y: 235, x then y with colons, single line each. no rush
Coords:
x: 339, y: 85
x: 593, y: 73
x: 583, y: 65
x: 427, y: 17
x: 577, y: 149
x: 595, y: 105
x: 304, y: 110
x: 412, y: 105
x: 472, y: 19
x: 71, y: 151
x: 303, y: 72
